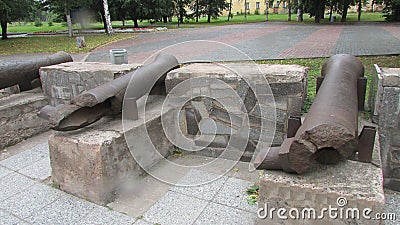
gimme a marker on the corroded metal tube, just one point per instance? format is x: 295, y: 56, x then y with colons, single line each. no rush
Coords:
x: 329, y: 131
x: 90, y: 106
x: 23, y: 72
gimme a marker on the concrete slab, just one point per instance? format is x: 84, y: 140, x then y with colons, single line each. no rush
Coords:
x: 4, y: 171
x: 13, y: 184
x: 42, y: 148
x: 138, y: 196
x: 24, y: 145
x: 206, y: 191
x: 39, y: 170
x: 26, y: 158
x: 392, y: 206
x: 233, y: 194
x: 143, y: 222
x: 27, y: 202
x: 7, y: 218
x: 175, y: 208
x: 221, y: 214
x: 105, y: 216
x: 219, y: 167
x: 65, y: 210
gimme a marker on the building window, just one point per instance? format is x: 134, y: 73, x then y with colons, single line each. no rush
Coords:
x: 257, y: 5
x: 247, y: 6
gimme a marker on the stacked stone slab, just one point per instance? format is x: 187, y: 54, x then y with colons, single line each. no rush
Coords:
x: 18, y: 117
x: 385, y: 105
x: 64, y: 81
x: 288, y: 84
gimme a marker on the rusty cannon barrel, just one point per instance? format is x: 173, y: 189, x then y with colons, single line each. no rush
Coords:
x: 329, y: 131
x: 91, y: 105
x: 23, y: 72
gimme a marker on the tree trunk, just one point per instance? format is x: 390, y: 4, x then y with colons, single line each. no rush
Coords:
x: 209, y: 13
x: 372, y: 6
x: 317, y: 11
x: 331, y: 11
x: 3, y: 29
x: 123, y: 23
x: 230, y: 10
x: 245, y: 10
x: 197, y: 11
x: 300, y: 11
x: 135, y: 23
x: 109, y: 28
x: 266, y: 10
x: 68, y: 15
x: 165, y: 19
x: 359, y: 10
x: 345, y: 9
x: 69, y: 23
x: 103, y: 19
x: 289, y: 11
x: 180, y: 17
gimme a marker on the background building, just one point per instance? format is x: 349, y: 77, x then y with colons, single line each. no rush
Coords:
x: 255, y: 7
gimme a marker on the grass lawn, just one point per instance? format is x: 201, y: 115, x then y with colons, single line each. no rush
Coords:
x: 30, y: 28
x: 315, y: 66
x: 38, y: 44
x: 222, y: 20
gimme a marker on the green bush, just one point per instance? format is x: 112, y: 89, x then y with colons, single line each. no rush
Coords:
x: 64, y: 24
x: 256, y: 12
x: 38, y: 22
x: 50, y: 23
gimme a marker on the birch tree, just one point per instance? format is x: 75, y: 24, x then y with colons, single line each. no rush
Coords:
x: 109, y: 28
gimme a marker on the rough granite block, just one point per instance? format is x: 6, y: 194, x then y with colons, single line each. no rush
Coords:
x: 66, y: 80
x: 359, y: 183
x: 92, y: 163
x: 386, y: 107
x: 18, y: 117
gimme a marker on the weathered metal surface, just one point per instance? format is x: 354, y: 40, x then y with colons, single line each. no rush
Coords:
x: 23, y: 72
x: 361, y: 92
x: 90, y: 106
x: 142, y: 79
x: 329, y: 131
x: 294, y: 123
x: 366, y: 143
x: 71, y: 117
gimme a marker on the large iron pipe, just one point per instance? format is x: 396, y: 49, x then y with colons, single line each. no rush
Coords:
x: 23, y: 72
x: 90, y: 106
x: 142, y: 79
x: 329, y: 131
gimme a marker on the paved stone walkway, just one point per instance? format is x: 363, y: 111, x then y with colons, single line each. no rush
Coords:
x: 27, y: 197
x: 261, y: 41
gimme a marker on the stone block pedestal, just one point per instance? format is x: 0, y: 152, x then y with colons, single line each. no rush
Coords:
x: 93, y: 162
x: 227, y: 93
x: 385, y: 104
x: 18, y: 117
x: 348, y: 186
x: 64, y: 81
